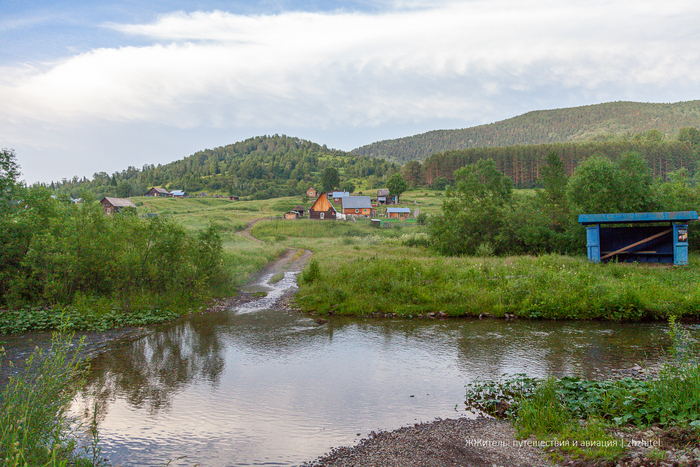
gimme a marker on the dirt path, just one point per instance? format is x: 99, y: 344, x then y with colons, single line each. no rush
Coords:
x: 246, y: 232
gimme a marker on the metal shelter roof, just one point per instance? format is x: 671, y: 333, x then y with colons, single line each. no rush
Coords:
x: 637, y: 217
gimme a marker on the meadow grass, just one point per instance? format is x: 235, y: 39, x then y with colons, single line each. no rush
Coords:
x: 369, y: 271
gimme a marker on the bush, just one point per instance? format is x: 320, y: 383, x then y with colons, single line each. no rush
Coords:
x: 34, y: 427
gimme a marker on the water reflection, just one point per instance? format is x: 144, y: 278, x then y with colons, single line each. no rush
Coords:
x: 274, y: 388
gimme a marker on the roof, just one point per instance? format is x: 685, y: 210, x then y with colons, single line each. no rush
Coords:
x: 399, y: 210
x: 383, y: 192
x: 118, y: 202
x: 634, y: 217
x: 357, y: 202
x: 320, y: 199
x: 160, y: 190
x: 299, y: 207
x: 177, y: 193
x: 340, y: 194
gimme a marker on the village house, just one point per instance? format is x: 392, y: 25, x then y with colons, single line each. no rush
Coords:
x: 398, y: 213
x: 383, y: 197
x: 358, y: 206
x: 339, y: 195
x: 323, y: 208
x: 157, y: 192
x: 179, y: 194
x: 112, y: 205
x: 296, y: 213
x: 311, y: 192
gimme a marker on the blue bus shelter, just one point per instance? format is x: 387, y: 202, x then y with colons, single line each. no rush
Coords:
x: 647, y: 237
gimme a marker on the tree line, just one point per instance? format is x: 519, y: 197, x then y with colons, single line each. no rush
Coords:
x: 523, y: 164
x: 260, y: 168
x: 482, y: 215
x: 593, y: 123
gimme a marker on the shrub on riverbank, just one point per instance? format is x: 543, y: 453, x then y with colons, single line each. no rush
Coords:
x: 102, y: 269
x: 34, y: 427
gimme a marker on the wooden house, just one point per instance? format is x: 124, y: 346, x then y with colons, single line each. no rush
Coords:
x: 180, y: 194
x: 311, y: 192
x: 157, y: 192
x: 233, y: 198
x: 296, y: 213
x: 358, y: 206
x: 398, y: 213
x: 384, y: 197
x: 339, y: 195
x: 323, y: 208
x: 112, y: 205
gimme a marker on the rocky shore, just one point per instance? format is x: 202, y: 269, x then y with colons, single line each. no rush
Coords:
x: 487, y: 442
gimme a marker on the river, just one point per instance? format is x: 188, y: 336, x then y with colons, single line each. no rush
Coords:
x: 255, y: 386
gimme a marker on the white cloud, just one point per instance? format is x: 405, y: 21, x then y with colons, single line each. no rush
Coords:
x: 456, y: 61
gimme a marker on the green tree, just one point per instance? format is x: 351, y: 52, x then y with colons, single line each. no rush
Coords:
x: 397, y: 185
x: 9, y: 173
x: 473, y: 210
x: 599, y: 185
x: 348, y: 186
x: 654, y: 135
x: 689, y: 135
x: 554, y: 178
x: 413, y: 173
x: 330, y: 179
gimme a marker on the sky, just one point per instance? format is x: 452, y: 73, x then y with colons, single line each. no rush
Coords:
x: 88, y: 87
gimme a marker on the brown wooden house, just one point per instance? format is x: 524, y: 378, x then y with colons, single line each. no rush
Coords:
x: 384, y: 197
x: 158, y: 192
x: 360, y: 206
x: 311, y: 192
x: 112, y: 205
x: 398, y: 213
x: 323, y: 208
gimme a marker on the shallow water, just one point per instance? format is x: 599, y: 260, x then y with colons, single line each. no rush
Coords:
x: 260, y: 387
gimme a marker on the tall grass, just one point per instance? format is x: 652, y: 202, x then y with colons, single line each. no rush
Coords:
x: 34, y: 427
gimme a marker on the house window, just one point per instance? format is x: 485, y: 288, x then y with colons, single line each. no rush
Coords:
x: 357, y: 211
x: 321, y: 215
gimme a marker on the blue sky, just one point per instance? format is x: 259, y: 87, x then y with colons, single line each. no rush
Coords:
x: 99, y: 86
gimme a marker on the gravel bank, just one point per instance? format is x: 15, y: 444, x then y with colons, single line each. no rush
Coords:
x: 477, y: 442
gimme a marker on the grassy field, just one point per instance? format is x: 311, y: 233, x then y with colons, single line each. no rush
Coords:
x: 363, y: 270
x: 367, y: 271
x: 243, y: 256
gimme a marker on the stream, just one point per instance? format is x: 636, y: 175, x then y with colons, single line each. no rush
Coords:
x: 257, y: 386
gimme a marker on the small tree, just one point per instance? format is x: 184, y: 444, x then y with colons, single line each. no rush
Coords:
x: 9, y: 172
x: 330, y: 179
x: 396, y: 185
x: 473, y: 211
x: 348, y: 186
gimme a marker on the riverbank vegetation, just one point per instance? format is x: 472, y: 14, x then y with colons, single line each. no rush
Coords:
x: 589, y: 419
x: 34, y: 427
x: 364, y: 271
x: 60, y: 258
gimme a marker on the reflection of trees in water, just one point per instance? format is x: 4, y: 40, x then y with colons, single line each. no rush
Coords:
x: 149, y: 370
x: 587, y: 349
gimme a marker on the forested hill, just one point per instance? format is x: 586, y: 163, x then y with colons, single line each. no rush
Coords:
x: 592, y: 123
x: 261, y: 167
